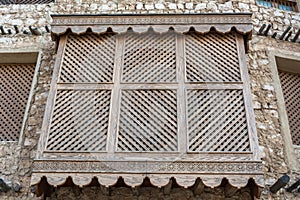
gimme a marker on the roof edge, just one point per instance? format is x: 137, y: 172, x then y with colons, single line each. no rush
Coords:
x: 222, y: 23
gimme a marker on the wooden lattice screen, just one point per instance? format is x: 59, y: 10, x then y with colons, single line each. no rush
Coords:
x: 5, y: 2
x: 290, y: 84
x: 15, y: 84
x: 157, y: 96
x: 148, y: 92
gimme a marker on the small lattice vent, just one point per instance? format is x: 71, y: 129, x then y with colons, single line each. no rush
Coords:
x: 217, y: 121
x: 88, y: 58
x: 290, y: 84
x: 148, y: 121
x: 80, y: 120
x: 15, y: 84
x: 5, y: 2
x: 212, y: 58
x: 149, y: 57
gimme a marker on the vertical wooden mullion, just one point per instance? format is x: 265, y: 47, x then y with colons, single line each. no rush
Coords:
x: 115, y: 96
x: 51, y: 98
x: 181, y: 100
x: 247, y: 96
x: 32, y: 88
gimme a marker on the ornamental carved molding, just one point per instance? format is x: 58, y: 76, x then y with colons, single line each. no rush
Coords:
x: 151, y: 19
x: 181, y: 23
x: 250, y: 167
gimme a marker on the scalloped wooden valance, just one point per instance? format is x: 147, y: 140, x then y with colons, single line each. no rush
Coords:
x: 181, y: 23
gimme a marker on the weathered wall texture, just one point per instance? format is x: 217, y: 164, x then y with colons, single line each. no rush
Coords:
x: 16, y: 159
x: 266, y: 107
x: 298, y: 152
x: 148, y: 193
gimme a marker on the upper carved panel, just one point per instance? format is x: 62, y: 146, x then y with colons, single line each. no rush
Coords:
x: 222, y: 23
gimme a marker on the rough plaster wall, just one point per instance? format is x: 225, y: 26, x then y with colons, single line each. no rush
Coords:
x: 298, y: 152
x: 16, y: 160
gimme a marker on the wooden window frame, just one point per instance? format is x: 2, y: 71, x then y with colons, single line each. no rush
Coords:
x: 28, y: 56
x: 182, y: 148
x: 290, y: 148
x: 182, y: 85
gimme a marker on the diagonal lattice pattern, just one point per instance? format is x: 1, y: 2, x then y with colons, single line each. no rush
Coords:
x: 80, y: 120
x: 211, y: 58
x: 15, y: 84
x: 88, y: 58
x: 217, y: 121
x: 149, y: 57
x: 148, y: 121
x: 4, y: 2
x: 290, y: 84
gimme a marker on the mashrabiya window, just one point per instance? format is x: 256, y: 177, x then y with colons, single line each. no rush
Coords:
x: 150, y: 92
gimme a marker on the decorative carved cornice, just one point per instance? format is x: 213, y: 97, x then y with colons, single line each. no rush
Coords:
x: 151, y: 19
x: 159, y: 172
x: 203, y: 23
x: 134, y: 179
x: 241, y: 167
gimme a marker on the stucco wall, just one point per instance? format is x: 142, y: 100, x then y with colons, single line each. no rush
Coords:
x: 16, y: 159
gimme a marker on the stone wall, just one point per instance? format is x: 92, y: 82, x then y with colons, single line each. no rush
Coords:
x: 16, y: 159
x: 298, y: 152
x: 266, y: 107
x: 146, y: 193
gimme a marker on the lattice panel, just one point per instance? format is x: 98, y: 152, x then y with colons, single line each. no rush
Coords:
x: 88, y: 58
x: 217, y: 121
x: 4, y: 2
x: 290, y: 84
x: 211, y: 57
x: 15, y: 84
x: 80, y: 120
x: 148, y: 121
x: 149, y: 57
